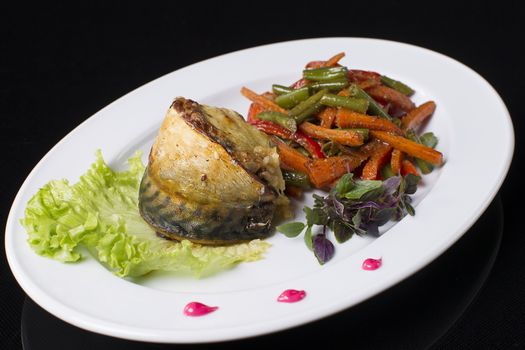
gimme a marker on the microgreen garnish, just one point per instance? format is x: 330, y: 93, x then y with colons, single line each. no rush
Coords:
x: 291, y: 229
x: 354, y: 207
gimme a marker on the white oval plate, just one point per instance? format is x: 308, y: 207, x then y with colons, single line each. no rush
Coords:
x: 476, y: 137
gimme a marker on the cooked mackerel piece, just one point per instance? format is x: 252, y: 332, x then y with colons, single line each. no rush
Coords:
x: 211, y: 178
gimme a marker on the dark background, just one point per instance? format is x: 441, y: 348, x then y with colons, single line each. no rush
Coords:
x: 60, y: 64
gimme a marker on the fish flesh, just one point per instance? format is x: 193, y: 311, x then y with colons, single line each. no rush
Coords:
x: 211, y: 177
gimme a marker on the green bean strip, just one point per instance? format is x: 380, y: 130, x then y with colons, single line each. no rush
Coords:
x: 387, y: 172
x: 397, y: 85
x: 296, y: 178
x: 305, y: 109
x: 280, y: 89
x: 425, y: 167
x: 303, y: 151
x: 373, y: 107
x: 326, y: 74
x: 335, y: 85
x: 279, y: 118
x: 331, y: 149
x: 293, y: 98
x: 355, y: 104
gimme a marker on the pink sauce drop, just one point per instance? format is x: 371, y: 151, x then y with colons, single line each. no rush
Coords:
x: 291, y: 296
x: 372, y: 264
x: 195, y: 309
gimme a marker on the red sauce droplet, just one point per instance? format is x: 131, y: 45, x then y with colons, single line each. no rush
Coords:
x: 195, y: 309
x: 291, y: 296
x: 372, y: 264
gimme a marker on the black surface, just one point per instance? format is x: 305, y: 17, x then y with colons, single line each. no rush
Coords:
x: 412, y: 315
x: 59, y: 65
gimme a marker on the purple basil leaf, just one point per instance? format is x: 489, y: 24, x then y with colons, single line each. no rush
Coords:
x: 339, y: 207
x: 323, y: 249
x: 367, y: 214
x: 349, y: 214
x: 390, y: 201
x: 382, y: 216
x: 372, y: 229
x: 391, y: 184
x: 362, y: 205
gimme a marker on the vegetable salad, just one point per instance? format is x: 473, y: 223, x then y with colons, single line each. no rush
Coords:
x: 355, y: 133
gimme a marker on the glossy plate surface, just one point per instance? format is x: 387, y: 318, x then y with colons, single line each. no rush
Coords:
x: 474, y: 130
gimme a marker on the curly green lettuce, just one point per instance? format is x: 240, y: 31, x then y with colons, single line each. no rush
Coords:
x: 100, y: 213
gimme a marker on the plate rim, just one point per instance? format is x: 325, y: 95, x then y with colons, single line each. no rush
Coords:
x: 138, y: 334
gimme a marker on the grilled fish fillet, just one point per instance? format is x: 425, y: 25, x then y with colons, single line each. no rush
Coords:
x: 211, y: 178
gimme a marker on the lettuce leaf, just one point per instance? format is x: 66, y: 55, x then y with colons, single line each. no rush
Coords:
x: 100, y: 214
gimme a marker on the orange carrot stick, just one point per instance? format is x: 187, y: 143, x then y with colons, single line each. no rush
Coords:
x: 408, y: 167
x: 376, y: 162
x: 343, y: 137
x: 396, y: 161
x: 332, y: 61
x: 323, y: 172
x: 327, y: 117
x: 409, y: 147
x: 344, y: 93
x: 291, y: 158
x: 263, y: 101
x: 350, y: 119
x: 269, y: 95
x: 385, y: 94
x: 417, y: 116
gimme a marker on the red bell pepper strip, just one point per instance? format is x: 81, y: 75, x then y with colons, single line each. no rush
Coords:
x: 407, y: 167
x: 304, y: 140
x: 309, y: 144
x: 272, y: 128
x: 254, y: 109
